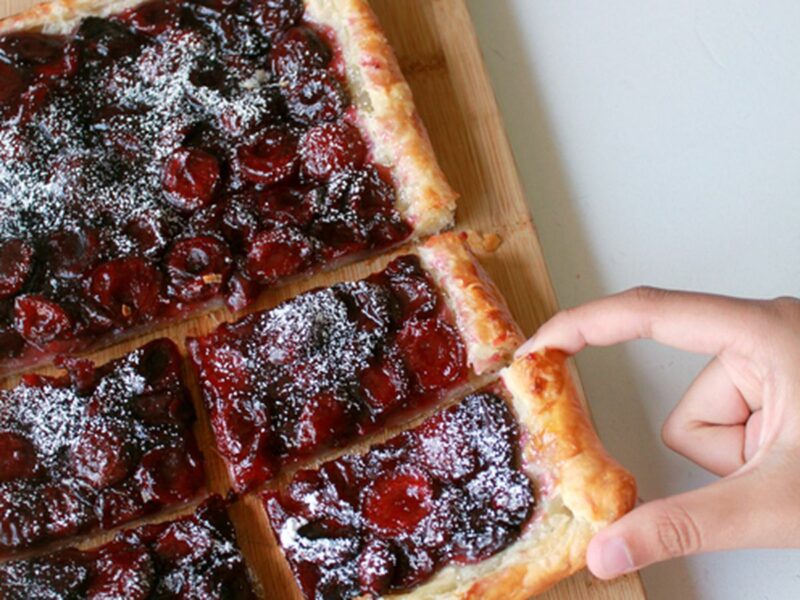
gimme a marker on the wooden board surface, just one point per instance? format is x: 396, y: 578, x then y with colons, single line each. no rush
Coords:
x: 438, y: 52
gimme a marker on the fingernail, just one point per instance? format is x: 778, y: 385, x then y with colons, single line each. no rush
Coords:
x: 526, y: 348
x: 615, y: 557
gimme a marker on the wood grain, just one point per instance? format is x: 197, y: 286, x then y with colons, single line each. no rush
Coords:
x: 439, y: 54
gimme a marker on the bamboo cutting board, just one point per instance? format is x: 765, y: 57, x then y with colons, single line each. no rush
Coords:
x: 438, y: 52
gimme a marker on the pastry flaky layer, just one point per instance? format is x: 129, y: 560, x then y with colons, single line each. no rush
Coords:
x: 489, y: 331
x: 581, y: 489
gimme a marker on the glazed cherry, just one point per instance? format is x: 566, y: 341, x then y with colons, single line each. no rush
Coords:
x: 152, y: 18
x: 270, y: 158
x: 330, y: 147
x: 31, y: 48
x: 40, y: 321
x: 67, y: 511
x: 17, y: 457
x: 148, y: 233
x: 396, y: 503
x: 277, y: 253
x: 197, y: 268
x: 190, y: 178
x: 73, y: 252
x: 286, y: 206
x: 414, y: 290
x: 384, y: 385
x: 433, y: 352
x: 277, y: 15
x: 168, y: 475
x: 100, y: 455
x: 12, y: 84
x: 122, y: 572
x: 128, y: 288
x: 102, y: 39
x: 315, y: 96
x: 299, y: 49
x: 16, y: 259
x: 376, y: 566
x: 324, y: 419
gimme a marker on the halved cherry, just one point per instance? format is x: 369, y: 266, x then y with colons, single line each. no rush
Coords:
x: 315, y: 96
x: 223, y: 367
x: 40, y: 321
x: 241, y: 292
x: 444, y: 446
x: 20, y: 525
x: 278, y: 253
x: 152, y: 18
x: 63, y: 66
x: 128, y: 288
x: 239, y: 426
x: 73, y: 252
x: 197, y: 268
x: 30, y: 101
x: 12, y: 84
x: 239, y: 219
x: 270, y: 158
x: 324, y: 418
x: 104, y: 39
x: 277, y: 15
x: 286, y: 206
x: 148, y: 232
x: 330, y: 147
x: 299, y: 49
x: 169, y: 475
x: 384, y: 384
x: 412, y: 287
x: 68, y: 512
x: 101, y: 455
x: 17, y: 456
x: 82, y: 372
x: 122, y: 571
x: 190, y: 178
x: 118, y: 504
x: 397, y: 502
x: 16, y: 259
x: 434, y: 353
x: 376, y: 565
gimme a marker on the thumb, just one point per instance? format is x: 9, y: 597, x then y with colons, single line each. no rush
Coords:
x: 717, y: 517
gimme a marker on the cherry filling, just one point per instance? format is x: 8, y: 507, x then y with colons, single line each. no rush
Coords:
x: 448, y: 491
x: 170, y: 155
x: 95, y: 448
x: 192, y: 557
x: 319, y: 369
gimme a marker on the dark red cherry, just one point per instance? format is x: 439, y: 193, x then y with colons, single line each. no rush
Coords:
x: 286, y: 206
x: 11, y: 342
x: 12, y: 84
x: 118, y: 504
x: 299, y: 49
x: 148, y: 232
x: 40, y: 321
x: 31, y: 48
x: 315, y: 96
x: 128, y: 288
x: 241, y: 292
x: 376, y: 565
x: 17, y: 456
x: 30, y: 101
x: 63, y: 66
x: 122, y: 571
x: 384, y: 384
x: 434, y: 353
x: 197, y: 268
x: 20, y: 524
x: 323, y: 419
x: 67, y: 512
x: 152, y: 18
x: 82, y: 372
x: 270, y: 158
x: 169, y: 475
x: 277, y: 15
x: 330, y: 147
x: 73, y: 252
x: 101, y: 455
x: 16, y: 258
x: 397, y: 502
x: 190, y: 178
x: 278, y: 253
x: 104, y: 39
x: 239, y: 427
x: 444, y: 447
x: 413, y: 288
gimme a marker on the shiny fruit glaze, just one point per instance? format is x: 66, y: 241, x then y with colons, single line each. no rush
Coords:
x: 191, y: 557
x: 448, y: 491
x: 175, y: 154
x: 328, y: 365
x: 95, y: 448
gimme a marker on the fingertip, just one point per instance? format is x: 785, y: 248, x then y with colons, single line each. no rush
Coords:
x: 609, y: 556
x: 530, y: 346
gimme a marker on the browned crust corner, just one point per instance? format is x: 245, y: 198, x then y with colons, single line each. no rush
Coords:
x: 387, y: 113
x: 482, y: 315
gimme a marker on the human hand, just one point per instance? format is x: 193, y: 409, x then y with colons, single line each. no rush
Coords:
x: 739, y: 419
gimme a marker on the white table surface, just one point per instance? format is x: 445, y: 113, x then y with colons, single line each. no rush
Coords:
x: 659, y: 143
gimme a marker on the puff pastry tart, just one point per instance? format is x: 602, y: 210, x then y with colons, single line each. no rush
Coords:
x: 195, y: 556
x: 158, y: 157
x: 495, y: 496
x: 331, y: 364
x: 96, y: 448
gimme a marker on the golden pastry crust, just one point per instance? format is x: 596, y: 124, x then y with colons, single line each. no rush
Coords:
x: 387, y: 114
x: 580, y: 490
x: 61, y: 16
x: 482, y: 316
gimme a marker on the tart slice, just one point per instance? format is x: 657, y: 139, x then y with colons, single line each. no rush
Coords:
x: 195, y: 556
x: 95, y: 448
x: 495, y: 497
x: 159, y: 157
x: 334, y: 363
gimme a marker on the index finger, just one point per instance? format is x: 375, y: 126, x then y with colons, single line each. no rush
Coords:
x: 702, y: 323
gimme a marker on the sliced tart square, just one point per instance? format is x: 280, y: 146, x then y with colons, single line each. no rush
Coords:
x: 494, y: 497
x: 334, y: 363
x: 95, y: 448
x: 158, y: 157
x: 195, y: 556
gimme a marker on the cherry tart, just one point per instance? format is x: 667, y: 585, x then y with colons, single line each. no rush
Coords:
x: 334, y: 363
x: 158, y: 160
x: 191, y: 557
x: 494, y: 497
x: 95, y: 448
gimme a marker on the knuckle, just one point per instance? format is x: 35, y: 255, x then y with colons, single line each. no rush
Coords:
x: 676, y: 531
x: 786, y: 308
x: 646, y: 294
